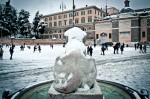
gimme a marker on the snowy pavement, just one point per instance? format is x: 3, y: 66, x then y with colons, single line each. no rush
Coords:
x: 27, y: 67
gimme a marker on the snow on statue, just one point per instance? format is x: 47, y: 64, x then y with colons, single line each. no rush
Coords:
x: 74, y: 71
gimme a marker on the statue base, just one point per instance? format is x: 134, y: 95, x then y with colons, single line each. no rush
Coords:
x: 93, y: 93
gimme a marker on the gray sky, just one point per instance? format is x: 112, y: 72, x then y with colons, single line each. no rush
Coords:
x: 51, y: 6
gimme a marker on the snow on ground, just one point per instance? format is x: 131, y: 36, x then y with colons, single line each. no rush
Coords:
x: 27, y: 67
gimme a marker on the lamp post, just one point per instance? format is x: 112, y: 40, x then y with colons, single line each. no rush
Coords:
x: 62, y: 6
x: 73, y: 12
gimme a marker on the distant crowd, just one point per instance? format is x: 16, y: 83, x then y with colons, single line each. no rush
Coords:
x: 118, y: 47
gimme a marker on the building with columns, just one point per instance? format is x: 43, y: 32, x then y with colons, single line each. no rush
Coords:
x: 127, y: 26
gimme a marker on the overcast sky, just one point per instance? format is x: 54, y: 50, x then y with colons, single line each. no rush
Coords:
x: 51, y: 6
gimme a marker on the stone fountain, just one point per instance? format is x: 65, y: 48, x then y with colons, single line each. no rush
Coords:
x: 75, y: 72
x: 75, y: 78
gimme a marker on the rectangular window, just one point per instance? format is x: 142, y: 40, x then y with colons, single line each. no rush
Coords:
x: 65, y: 22
x: 95, y: 11
x: 60, y: 24
x: 70, y: 21
x: 46, y: 19
x: 55, y: 23
x: 50, y: 18
x: 83, y: 20
x: 65, y: 15
x: 50, y: 24
x: 109, y: 35
x: 89, y: 11
x: 124, y: 35
x: 82, y: 12
x: 55, y: 17
x: 59, y: 16
x: 89, y: 19
x: 76, y: 13
x: 143, y: 34
x: 70, y: 14
x: 76, y: 21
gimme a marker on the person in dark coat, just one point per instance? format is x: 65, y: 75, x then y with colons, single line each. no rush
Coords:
x: 145, y: 47
x: 115, y: 48
x: 1, y: 53
x: 34, y: 49
x: 103, y: 50
x: 122, y: 48
x: 87, y: 50
x: 135, y: 46
x: 39, y: 48
x: 21, y: 48
x: 91, y: 50
x: 106, y: 46
x: 141, y: 48
x: 11, y: 50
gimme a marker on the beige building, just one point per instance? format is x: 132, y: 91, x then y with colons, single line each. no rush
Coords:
x: 127, y: 26
x: 84, y: 18
x: 111, y: 11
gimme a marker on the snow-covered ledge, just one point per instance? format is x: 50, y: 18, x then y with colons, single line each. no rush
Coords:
x: 75, y: 72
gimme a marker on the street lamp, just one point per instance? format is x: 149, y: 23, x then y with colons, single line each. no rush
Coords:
x: 62, y: 6
x: 73, y: 12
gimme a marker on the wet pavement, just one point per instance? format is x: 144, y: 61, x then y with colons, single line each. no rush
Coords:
x: 27, y: 67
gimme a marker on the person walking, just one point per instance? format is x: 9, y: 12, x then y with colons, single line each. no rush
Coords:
x: 122, y: 48
x: 34, y: 49
x: 106, y: 46
x: 141, y: 48
x: 103, y: 50
x: 91, y: 50
x: 115, y: 48
x: 135, y: 46
x: 39, y: 48
x: 11, y: 50
x: 52, y: 46
x: 87, y: 50
x: 145, y: 47
x: 1, y: 53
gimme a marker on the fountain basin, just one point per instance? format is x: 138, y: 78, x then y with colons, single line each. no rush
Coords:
x: 109, y: 89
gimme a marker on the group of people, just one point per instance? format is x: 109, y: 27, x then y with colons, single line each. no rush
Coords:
x: 141, y: 46
x: 118, y: 46
x: 104, y: 47
x: 11, y: 50
x: 89, y: 50
x: 37, y: 47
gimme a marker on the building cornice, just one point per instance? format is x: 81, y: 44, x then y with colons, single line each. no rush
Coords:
x: 68, y: 11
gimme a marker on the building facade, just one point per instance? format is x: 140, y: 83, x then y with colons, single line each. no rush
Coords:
x: 59, y: 22
x: 127, y: 26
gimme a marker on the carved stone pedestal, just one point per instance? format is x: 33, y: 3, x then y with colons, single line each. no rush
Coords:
x: 93, y: 93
